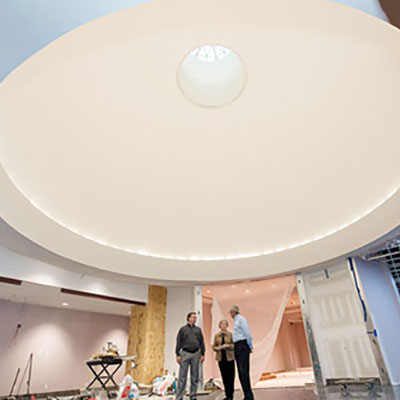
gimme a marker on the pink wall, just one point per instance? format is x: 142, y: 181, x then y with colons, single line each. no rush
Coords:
x: 61, y: 341
x: 304, y: 354
x: 211, y: 369
x: 277, y: 362
x: 290, y: 351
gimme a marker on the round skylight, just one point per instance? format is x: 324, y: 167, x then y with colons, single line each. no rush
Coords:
x: 212, y: 76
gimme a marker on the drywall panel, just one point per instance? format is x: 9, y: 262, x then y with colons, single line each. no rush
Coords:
x: 337, y: 321
x: 382, y: 300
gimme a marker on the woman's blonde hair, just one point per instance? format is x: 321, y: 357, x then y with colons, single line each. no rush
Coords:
x: 220, y: 322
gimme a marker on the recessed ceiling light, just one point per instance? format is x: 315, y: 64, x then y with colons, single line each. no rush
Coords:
x: 247, y: 290
x: 65, y: 304
x: 212, y: 76
x: 233, y: 286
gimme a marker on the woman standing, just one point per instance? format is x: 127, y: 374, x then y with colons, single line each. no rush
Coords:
x: 225, y: 355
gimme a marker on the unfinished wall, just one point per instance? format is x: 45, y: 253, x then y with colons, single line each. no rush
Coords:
x: 147, y: 335
x: 277, y: 361
x: 61, y: 340
x: 290, y: 351
x: 337, y: 321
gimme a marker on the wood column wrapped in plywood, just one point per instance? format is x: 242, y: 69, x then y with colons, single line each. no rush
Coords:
x: 147, y: 336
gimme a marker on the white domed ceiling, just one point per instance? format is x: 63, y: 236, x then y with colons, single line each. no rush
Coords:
x: 106, y: 162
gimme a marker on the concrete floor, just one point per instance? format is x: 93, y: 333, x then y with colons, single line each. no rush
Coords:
x: 310, y: 394
x: 288, y: 393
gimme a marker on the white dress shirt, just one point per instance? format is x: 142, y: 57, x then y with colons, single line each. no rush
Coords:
x: 241, y: 330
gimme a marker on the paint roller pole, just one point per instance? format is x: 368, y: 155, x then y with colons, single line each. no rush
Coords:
x: 28, y: 383
x: 15, y: 381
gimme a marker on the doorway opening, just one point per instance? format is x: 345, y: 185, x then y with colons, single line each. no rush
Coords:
x: 272, y: 307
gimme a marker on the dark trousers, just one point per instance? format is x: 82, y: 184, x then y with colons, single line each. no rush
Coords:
x: 242, y: 355
x: 227, y: 369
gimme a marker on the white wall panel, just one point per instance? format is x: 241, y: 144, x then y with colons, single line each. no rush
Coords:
x: 337, y: 321
x: 16, y: 266
x: 179, y: 304
x: 382, y: 300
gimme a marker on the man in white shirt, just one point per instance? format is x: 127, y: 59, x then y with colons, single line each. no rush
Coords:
x: 243, y: 347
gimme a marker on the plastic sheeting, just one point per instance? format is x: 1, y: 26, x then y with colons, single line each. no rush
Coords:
x: 263, y: 304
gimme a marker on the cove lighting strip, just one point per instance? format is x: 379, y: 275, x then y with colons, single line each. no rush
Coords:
x: 212, y: 258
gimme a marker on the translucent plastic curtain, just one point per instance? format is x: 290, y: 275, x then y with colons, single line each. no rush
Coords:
x: 263, y: 304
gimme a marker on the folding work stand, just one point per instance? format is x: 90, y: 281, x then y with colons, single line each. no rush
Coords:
x: 104, y: 375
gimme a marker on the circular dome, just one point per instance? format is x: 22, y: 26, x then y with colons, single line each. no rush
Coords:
x: 212, y: 76
x: 104, y: 161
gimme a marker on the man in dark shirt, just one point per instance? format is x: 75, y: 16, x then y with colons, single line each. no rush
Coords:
x: 189, y: 351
